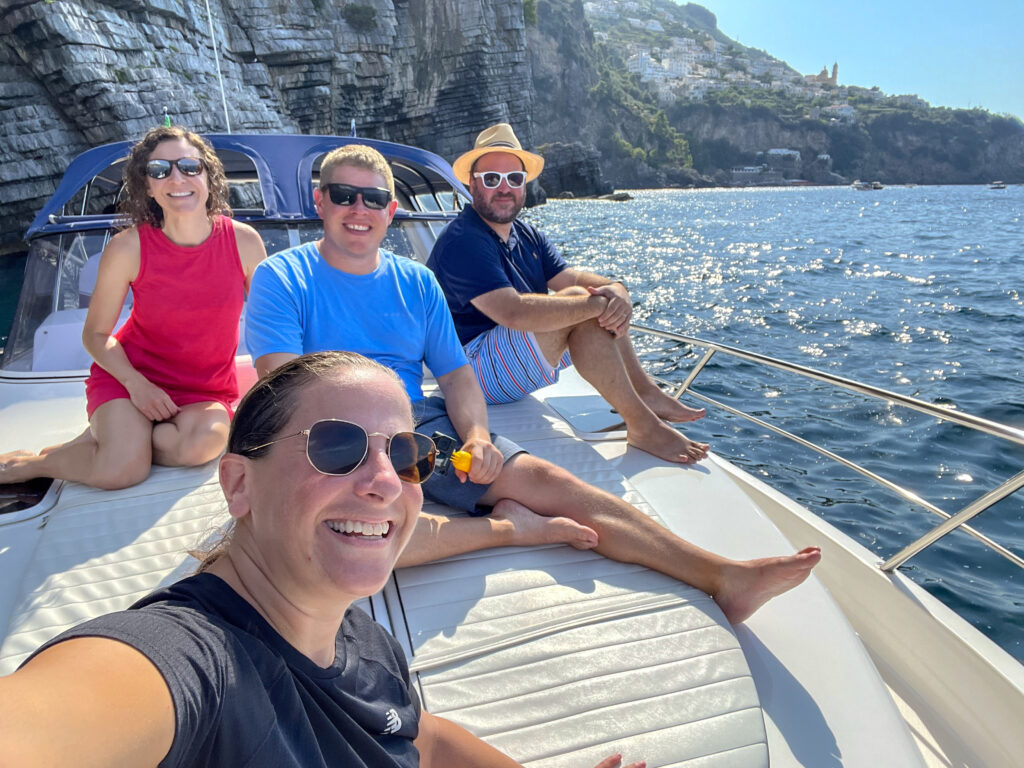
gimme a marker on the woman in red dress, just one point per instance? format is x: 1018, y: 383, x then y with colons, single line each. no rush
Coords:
x: 161, y: 389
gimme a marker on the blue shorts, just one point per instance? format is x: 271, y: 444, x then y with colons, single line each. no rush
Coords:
x: 430, y: 416
x: 509, y: 364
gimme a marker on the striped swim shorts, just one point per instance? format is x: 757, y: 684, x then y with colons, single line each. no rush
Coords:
x: 509, y: 364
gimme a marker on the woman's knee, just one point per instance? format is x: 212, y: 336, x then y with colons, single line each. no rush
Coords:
x: 199, y: 442
x: 194, y: 438
x: 201, y: 447
x: 115, y: 475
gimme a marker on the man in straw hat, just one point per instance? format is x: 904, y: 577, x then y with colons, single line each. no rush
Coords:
x: 345, y: 292
x: 522, y: 313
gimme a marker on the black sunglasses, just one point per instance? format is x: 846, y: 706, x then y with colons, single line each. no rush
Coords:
x: 345, y: 194
x: 161, y: 169
x: 492, y: 179
x: 336, y: 447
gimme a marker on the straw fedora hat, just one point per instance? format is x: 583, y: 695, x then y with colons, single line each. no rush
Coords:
x: 497, y: 138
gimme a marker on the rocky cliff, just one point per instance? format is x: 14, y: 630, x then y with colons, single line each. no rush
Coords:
x: 78, y: 73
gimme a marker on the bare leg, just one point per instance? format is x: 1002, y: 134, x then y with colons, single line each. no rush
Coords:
x: 599, y: 361
x: 114, y: 453
x: 628, y: 535
x: 662, y: 404
x: 511, y: 524
x: 197, y: 434
x: 85, y: 437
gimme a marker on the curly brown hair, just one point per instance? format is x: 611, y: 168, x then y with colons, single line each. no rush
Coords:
x: 139, y: 207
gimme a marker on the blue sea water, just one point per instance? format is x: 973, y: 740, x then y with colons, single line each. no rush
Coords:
x: 917, y: 290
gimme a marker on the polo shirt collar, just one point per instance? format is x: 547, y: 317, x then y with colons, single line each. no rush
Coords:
x: 474, y: 219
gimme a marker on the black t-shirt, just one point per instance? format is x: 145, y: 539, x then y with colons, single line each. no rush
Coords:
x: 244, y: 697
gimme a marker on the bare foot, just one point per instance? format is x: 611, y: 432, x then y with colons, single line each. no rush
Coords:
x: 14, y: 468
x: 750, y: 584
x: 668, y: 408
x: 667, y: 443
x: 529, y: 528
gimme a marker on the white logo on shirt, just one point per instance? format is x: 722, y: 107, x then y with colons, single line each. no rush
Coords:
x: 394, y: 722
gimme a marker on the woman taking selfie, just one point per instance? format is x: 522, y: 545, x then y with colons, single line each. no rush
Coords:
x: 260, y: 659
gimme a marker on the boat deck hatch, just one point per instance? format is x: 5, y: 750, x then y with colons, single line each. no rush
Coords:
x: 15, y: 497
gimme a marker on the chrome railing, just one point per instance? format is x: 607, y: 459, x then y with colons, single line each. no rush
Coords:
x: 951, y: 522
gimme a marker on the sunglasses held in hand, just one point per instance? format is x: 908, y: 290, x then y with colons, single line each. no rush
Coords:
x: 336, y: 447
x: 376, y: 198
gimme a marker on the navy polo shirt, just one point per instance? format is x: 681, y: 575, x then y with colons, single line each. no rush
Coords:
x: 470, y: 259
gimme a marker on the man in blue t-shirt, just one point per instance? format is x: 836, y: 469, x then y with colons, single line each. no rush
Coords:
x: 496, y: 273
x: 345, y: 293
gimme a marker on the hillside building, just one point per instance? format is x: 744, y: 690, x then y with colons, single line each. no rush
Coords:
x: 823, y: 77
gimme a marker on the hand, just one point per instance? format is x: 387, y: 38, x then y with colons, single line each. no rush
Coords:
x: 614, y: 761
x: 152, y: 402
x: 487, y: 462
x: 617, y: 314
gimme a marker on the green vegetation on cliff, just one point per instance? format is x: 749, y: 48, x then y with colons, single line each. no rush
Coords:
x: 620, y: 97
x: 583, y: 93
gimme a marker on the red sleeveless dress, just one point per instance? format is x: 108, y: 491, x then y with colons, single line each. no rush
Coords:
x: 183, y: 329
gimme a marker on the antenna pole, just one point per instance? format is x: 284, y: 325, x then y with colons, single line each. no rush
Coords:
x: 216, y: 61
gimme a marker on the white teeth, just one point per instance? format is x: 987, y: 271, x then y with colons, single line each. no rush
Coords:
x: 356, y: 526
x: 358, y: 227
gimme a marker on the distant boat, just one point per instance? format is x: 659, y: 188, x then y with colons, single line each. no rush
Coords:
x: 997, y: 185
x: 858, y: 184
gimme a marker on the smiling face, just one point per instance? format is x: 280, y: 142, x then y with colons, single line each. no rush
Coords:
x: 501, y: 205
x: 353, y: 233
x: 178, y: 193
x: 318, y: 536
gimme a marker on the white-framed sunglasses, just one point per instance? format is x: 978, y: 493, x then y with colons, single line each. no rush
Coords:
x: 492, y: 179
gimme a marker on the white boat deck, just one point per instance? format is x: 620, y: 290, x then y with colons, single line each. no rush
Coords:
x: 555, y: 655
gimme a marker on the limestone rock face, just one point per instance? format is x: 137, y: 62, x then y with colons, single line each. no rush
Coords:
x: 79, y: 73
x: 573, y: 168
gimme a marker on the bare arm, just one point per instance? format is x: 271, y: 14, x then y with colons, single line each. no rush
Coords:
x: 538, y: 311
x: 443, y: 743
x: 119, y: 266
x: 468, y: 413
x: 268, y: 363
x: 89, y: 701
x: 251, y: 250
x: 619, y: 308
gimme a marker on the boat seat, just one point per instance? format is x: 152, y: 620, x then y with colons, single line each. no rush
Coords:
x: 57, y: 342
x: 561, y: 657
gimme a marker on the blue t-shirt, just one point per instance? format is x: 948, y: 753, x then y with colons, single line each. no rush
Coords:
x: 244, y: 696
x: 470, y: 259
x: 396, y: 315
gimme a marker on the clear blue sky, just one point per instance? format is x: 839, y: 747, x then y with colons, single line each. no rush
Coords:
x: 952, y: 54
